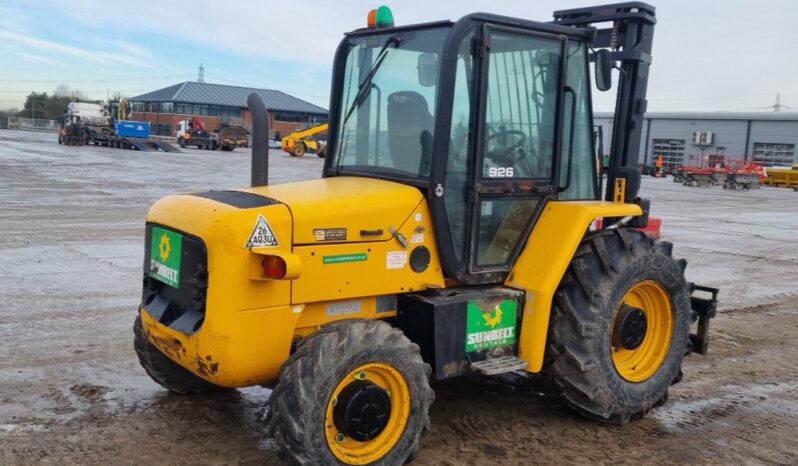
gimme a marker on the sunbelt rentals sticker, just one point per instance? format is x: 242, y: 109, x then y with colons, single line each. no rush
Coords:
x: 491, y: 327
x: 166, y: 249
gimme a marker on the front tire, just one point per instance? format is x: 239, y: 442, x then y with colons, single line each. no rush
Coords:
x: 298, y: 150
x: 163, y: 370
x: 317, y: 412
x: 620, y: 325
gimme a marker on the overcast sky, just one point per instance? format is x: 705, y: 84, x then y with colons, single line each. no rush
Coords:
x: 708, y: 55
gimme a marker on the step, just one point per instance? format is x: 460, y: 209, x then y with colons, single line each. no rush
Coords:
x: 499, y: 365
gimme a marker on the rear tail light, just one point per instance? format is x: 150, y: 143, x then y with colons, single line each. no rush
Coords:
x: 268, y: 263
x: 273, y: 267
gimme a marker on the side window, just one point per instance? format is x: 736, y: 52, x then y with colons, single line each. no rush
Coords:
x: 523, y: 80
x: 523, y: 76
x: 577, y: 138
x: 457, y: 163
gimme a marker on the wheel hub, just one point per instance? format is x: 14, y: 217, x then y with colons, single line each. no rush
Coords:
x: 630, y: 328
x: 362, y: 410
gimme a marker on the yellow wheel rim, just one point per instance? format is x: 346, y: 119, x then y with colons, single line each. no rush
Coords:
x: 351, y: 451
x: 639, y: 364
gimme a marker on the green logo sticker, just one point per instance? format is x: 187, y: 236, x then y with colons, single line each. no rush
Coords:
x: 166, y: 250
x: 489, y: 328
x: 341, y: 258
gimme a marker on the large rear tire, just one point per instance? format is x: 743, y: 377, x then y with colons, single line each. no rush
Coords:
x: 317, y: 415
x: 164, y: 371
x: 620, y: 325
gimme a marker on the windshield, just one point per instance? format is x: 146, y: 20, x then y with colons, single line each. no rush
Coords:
x: 388, y: 101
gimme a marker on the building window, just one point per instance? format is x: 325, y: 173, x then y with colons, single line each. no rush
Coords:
x: 297, y: 117
x: 317, y: 119
x: 671, y: 151
x: 288, y: 116
x: 770, y: 154
x: 229, y: 113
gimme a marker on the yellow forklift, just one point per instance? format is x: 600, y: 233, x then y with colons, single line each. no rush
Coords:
x: 305, y: 141
x: 452, y: 233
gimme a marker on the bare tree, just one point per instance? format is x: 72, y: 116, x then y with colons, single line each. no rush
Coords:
x: 63, y: 90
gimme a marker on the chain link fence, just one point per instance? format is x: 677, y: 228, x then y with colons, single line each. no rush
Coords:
x: 30, y: 124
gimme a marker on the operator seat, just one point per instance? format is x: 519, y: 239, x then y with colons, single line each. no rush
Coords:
x: 410, y: 126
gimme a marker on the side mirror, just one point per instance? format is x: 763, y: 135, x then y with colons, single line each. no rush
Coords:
x: 428, y: 69
x: 603, y: 70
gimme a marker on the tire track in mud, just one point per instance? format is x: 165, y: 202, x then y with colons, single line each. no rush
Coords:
x: 743, y: 396
x: 775, y: 300
x: 765, y: 257
x: 741, y: 416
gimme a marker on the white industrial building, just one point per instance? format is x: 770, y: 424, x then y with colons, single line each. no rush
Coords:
x: 683, y: 137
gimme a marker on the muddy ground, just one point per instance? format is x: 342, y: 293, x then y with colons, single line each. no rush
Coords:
x: 71, y: 389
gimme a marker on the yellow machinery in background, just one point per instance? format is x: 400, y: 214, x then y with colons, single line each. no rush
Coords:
x: 123, y: 111
x: 305, y: 141
x: 452, y: 233
x: 783, y: 177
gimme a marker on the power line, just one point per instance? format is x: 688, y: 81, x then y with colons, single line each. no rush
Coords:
x: 103, y: 80
x: 258, y: 87
x: 83, y: 90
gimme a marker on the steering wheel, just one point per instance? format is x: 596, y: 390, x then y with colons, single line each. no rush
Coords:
x: 503, y: 155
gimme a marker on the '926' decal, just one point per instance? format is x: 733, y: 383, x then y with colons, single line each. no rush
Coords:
x: 501, y: 172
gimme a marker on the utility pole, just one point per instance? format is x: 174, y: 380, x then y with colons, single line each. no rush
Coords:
x: 201, y: 76
x: 778, y: 106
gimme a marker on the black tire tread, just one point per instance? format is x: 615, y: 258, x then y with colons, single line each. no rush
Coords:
x: 576, y: 314
x: 320, y: 354
x: 164, y: 371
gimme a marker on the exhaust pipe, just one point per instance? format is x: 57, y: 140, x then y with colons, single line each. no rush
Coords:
x: 260, y: 140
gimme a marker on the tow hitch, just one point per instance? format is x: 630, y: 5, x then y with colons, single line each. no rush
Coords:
x: 704, y: 308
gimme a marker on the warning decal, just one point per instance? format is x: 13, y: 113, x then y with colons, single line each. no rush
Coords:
x: 396, y: 260
x: 262, y: 235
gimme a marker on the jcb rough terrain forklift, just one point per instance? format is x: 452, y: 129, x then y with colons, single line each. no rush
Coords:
x: 305, y: 141
x: 450, y: 235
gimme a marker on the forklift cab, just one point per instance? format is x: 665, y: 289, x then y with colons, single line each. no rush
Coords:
x: 490, y: 116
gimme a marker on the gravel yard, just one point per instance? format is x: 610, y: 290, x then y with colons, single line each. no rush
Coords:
x: 72, y: 390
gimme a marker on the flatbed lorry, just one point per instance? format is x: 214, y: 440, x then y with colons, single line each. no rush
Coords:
x: 87, y: 123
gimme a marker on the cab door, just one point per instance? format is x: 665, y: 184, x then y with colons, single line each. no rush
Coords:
x: 504, y: 146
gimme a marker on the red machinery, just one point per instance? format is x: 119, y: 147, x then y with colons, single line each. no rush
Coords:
x: 197, y: 124
x: 717, y: 169
x: 654, y: 227
x: 747, y: 167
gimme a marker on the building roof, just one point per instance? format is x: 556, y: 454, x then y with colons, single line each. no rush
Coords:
x: 232, y: 96
x: 769, y: 116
